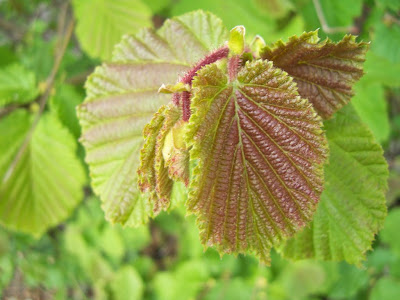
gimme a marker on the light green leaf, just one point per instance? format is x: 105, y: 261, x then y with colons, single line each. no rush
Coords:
x: 352, y: 207
x: 351, y: 280
x: 386, y: 41
x: 64, y: 104
x: 184, y: 283
x: 389, y: 234
x: 127, y: 284
x: 153, y: 170
x: 101, y: 23
x: 380, y: 69
x: 233, y: 13
x: 260, y: 151
x: 387, y: 288
x: 370, y: 103
x: 236, y: 40
x: 46, y: 183
x: 122, y: 97
x: 276, y: 8
x: 17, y: 85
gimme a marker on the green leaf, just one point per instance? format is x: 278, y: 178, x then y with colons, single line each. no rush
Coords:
x: 260, y: 151
x: 127, y: 284
x: 121, y: 98
x: 64, y: 104
x: 386, y: 42
x: 386, y: 288
x: 233, y: 13
x: 276, y: 8
x: 380, y: 69
x: 153, y: 171
x: 324, y: 71
x: 349, y: 283
x: 338, y: 13
x: 389, y: 234
x: 370, y: 103
x: 392, y: 4
x: 236, y: 40
x: 184, y: 283
x: 352, y: 207
x: 101, y: 23
x: 17, y: 85
x: 39, y: 189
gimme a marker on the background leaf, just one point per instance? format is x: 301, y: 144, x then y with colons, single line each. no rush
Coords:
x: 98, y: 30
x: 46, y: 182
x: 17, y: 85
x: 352, y: 207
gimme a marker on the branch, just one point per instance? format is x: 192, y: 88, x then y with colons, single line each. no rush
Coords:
x: 324, y: 23
x: 44, y: 97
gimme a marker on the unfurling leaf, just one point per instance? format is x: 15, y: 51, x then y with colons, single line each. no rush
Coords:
x: 352, y: 207
x: 237, y: 40
x: 324, y: 72
x: 153, y: 172
x: 176, y: 154
x: 121, y: 98
x: 259, y: 150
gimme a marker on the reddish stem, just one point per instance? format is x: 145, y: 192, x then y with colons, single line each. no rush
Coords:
x: 208, y: 59
x: 188, y: 78
x: 233, y: 67
x: 176, y: 98
x: 186, y: 106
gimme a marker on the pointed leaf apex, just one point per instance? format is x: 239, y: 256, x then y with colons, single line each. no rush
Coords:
x: 257, y: 44
x: 174, y: 88
x: 236, y: 40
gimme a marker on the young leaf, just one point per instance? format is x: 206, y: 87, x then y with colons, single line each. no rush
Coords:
x: 324, y: 72
x: 153, y: 172
x: 121, y: 98
x: 17, y: 85
x: 260, y: 151
x: 99, y: 29
x: 46, y: 182
x: 352, y: 207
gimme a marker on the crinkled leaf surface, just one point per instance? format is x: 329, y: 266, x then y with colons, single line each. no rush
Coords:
x: 352, y: 207
x: 153, y: 172
x: 17, y: 85
x: 324, y: 72
x: 260, y: 151
x: 47, y: 181
x: 121, y: 98
x: 99, y: 29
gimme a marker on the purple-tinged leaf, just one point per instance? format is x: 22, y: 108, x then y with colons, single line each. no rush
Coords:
x: 324, y: 71
x: 122, y: 97
x: 259, y: 152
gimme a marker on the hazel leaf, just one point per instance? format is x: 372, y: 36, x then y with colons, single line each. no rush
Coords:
x: 122, y: 97
x: 153, y: 172
x: 353, y: 206
x: 325, y: 72
x: 259, y: 152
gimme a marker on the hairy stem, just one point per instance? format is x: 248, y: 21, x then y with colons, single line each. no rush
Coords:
x: 184, y: 97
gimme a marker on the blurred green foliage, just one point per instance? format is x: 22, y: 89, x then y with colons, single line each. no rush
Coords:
x: 86, y: 257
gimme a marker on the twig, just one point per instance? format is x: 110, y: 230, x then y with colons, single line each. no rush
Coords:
x: 324, y: 23
x: 80, y: 78
x: 43, y: 99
